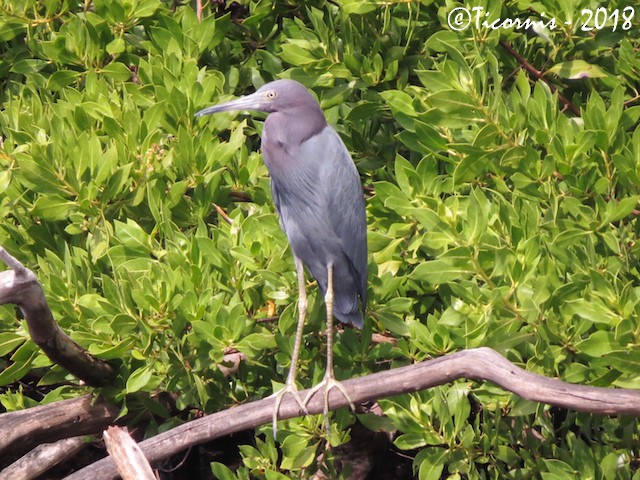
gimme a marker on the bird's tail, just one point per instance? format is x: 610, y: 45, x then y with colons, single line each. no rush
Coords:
x: 355, y: 318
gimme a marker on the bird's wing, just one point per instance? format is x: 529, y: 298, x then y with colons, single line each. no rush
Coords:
x: 341, y: 187
x: 318, y: 195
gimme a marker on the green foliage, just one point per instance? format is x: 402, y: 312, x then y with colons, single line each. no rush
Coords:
x: 496, y: 218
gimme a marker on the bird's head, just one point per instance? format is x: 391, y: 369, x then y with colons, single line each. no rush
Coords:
x: 276, y: 96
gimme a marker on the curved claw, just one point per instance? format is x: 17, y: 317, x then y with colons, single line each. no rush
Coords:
x: 293, y: 390
x: 328, y: 383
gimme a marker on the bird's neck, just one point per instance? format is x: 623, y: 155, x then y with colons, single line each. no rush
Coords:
x: 292, y: 127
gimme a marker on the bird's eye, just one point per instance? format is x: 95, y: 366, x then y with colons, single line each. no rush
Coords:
x: 271, y: 94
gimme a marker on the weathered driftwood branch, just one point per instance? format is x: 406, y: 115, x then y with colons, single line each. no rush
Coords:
x: 42, y: 458
x: 477, y: 364
x: 125, y: 452
x: 22, y: 430
x: 19, y: 286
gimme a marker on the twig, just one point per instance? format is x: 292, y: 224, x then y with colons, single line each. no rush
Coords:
x: 627, y: 103
x: 19, y: 286
x: 540, y: 76
x: 377, y: 338
x: 223, y: 214
x: 477, y: 364
x: 42, y: 458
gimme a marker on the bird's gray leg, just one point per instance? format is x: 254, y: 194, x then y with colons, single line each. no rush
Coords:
x: 329, y: 382
x: 290, y: 385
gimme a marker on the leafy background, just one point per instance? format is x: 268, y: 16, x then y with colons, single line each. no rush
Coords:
x: 495, y: 218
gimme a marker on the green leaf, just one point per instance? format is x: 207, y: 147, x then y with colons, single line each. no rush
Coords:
x: 108, y: 352
x: 399, y: 101
x: 394, y: 324
x: 256, y: 342
x: 576, y: 69
x: 477, y: 216
x: 358, y: 7
x: 222, y: 472
x: 376, y: 423
x: 451, y: 266
x: 296, y: 55
x: 117, y: 71
x: 609, y: 466
x: 558, y: 470
x: 10, y: 28
x: 410, y: 441
x: 131, y: 234
x: 116, y: 46
x: 146, y: 8
x: 139, y: 379
x: 28, y: 66
x: 273, y: 475
x: 62, y: 78
x: 429, y: 137
x: 619, y: 210
x: 431, y: 462
x: 9, y: 341
x: 54, y: 207
x: 592, y: 310
x: 296, y: 453
x: 5, y: 179
x: 599, y: 344
x: 22, y: 362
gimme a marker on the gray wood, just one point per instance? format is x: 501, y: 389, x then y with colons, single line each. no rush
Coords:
x: 125, y: 452
x: 42, y: 458
x: 20, y: 286
x: 476, y: 364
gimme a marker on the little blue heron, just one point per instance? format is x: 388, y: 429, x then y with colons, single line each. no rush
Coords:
x: 318, y: 195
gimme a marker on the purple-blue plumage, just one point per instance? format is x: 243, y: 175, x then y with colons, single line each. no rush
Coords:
x: 316, y: 190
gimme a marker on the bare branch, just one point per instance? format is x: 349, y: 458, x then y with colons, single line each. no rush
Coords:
x: 129, y: 459
x: 19, y: 286
x: 540, y: 76
x: 42, y: 458
x: 22, y: 430
x: 477, y: 364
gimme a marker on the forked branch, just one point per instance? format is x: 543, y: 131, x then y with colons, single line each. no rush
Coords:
x: 538, y: 75
x: 50, y: 423
x: 477, y: 364
x: 19, y: 286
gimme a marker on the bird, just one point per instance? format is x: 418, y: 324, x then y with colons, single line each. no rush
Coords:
x: 317, y: 193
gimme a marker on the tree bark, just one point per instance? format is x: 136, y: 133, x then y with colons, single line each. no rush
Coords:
x: 476, y: 364
x: 20, y: 286
x: 42, y: 458
x: 22, y: 430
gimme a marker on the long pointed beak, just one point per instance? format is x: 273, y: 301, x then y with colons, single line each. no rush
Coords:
x: 255, y: 101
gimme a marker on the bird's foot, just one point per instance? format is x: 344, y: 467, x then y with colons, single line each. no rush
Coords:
x: 291, y: 389
x: 328, y: 384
